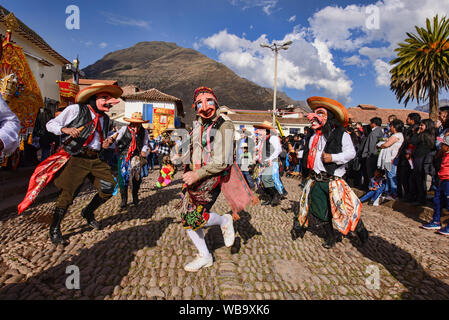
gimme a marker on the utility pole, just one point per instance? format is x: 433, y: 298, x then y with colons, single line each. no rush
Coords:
x: 275, y: 47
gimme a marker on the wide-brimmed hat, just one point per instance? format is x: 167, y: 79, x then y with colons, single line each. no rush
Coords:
x: 170, y: 128
x: 148, y: 126
x: 136, y: 117
x: 265, y: 125
x: 334, y: 106
x: 244, y: 145
x: 84, y: 95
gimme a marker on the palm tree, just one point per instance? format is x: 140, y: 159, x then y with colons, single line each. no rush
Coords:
x: 421, y: 69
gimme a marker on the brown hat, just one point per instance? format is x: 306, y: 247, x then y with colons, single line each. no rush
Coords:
x: 84, y: 95
x: 334, y: 106
x: 136, y: 117
x: 265, y: 125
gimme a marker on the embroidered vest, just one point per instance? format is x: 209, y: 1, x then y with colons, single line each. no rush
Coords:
x: 83, y: 118
x: 124, y: 143
x: 334, y: 145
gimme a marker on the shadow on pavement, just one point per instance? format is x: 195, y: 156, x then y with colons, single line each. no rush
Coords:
x: 102, y: 267
x: 402, y: 266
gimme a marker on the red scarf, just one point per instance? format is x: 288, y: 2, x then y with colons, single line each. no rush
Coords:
x: 133, y: 144
x: 97, y: 127
x: 313, y: 150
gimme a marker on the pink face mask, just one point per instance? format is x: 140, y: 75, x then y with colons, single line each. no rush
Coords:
x: 105, y: 101
x: 206, y: 105
x: 318, y: 118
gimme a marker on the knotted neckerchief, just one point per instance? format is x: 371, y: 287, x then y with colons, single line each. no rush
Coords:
x: 313, y: 149
x: 97, y: 127
x: 133, y: 144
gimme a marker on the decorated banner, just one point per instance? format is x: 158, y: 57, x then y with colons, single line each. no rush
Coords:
x: 162, y: 119
x: 67, y: 92
x: 19, y: 87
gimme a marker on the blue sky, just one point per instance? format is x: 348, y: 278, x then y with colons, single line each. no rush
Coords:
x: 340, y: 49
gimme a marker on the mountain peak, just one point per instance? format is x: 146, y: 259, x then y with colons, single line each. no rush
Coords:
x: 179, y: 71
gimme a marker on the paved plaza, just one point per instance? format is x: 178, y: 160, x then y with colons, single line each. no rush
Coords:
x: 140, y: 254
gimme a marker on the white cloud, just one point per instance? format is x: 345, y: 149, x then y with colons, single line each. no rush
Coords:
x: 383, y: 73
x: 349, y: 28
x: 355, y: 60
x: 118, y: 20
x: 372, y: 33
x: 292, y: 19
x: 266, y: 5
x: 303, y: 64
x: 103, y: 45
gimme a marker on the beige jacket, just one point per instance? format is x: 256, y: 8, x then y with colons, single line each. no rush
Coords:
x: 222, y: 148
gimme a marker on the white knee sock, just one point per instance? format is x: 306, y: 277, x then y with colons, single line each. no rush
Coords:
x: 216, y: 219
x: 199, y: 242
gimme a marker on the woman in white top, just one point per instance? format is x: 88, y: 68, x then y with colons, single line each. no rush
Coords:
x: 388, y: 159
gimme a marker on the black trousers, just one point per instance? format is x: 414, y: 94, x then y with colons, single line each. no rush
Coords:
x: 369, y: 165
x: 404, y: 180
x: 419, y: 186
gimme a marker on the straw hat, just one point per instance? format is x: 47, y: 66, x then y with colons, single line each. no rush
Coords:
x: 84, y: 95
x: 265, y: 125
x: 148, y: 126
x: 170, y: 128
x: 334, y: 106
x: 136, y: 117
x: 244, y: 145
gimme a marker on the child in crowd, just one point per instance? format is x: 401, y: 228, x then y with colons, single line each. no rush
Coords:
x: 442, y: 193
x: 376, y: 188
x: 246, y: 161
x: 167, y: 171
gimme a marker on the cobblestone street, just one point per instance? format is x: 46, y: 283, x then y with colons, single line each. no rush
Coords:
x: 140, y: 254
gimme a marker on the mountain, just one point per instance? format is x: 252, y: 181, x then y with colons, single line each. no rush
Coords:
x: 179, y: 71
x: 425, y: 108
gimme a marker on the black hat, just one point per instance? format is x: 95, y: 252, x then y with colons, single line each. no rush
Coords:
x: 444, y: 108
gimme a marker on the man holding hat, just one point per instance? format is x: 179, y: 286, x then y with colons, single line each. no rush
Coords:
x: 131, y: 141
x: 85, y: 125
x: 326, y: 195
x: 267, y: 157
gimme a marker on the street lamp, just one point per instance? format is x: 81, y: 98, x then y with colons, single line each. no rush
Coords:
x: 275, y: 47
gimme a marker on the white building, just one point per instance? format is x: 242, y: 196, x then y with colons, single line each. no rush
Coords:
x: 45, y: 63
x: 291, y: 124
x: 162, y: 110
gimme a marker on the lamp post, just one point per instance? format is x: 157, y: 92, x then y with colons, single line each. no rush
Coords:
x: 275, y: 47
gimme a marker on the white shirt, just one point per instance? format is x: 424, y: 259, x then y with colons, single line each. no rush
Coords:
x: 9, y: 128
x: 66, y: 117
x: 122, y: 131
x: 276, y: 143
x: 348, y: 153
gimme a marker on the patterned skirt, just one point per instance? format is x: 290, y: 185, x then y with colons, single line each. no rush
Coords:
x: 197, y: 200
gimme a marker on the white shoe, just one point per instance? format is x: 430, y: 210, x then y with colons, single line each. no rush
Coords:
x: 376, y: 203
x: 198, y: 263
x: 228, y: 231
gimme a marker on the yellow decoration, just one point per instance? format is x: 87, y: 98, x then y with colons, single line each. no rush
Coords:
x: 22, y: 145
x: 280, y: 128
x: 162, y: 119
x: 29, y: 99
x: 30, y: 139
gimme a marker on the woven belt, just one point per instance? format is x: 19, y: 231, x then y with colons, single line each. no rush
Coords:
x: 322, y: 176
x: 88, y: 153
